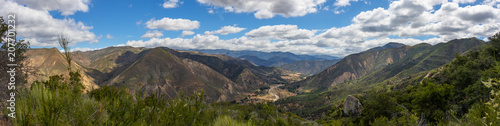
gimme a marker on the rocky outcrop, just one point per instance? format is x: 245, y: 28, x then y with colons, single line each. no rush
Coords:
x: 352, y: 106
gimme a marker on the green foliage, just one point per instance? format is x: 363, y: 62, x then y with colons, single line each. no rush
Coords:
x: 459, y: 93
x: 432, y: 101
x: 227, y: 121
x: 61, y: 102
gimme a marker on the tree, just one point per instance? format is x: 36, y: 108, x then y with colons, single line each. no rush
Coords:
x: 64, y: 43
x: 20, y: 48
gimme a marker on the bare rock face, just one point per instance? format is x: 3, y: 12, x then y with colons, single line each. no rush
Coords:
x: 352, y: 106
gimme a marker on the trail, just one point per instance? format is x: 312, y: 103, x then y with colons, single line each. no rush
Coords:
x: 272, y: 93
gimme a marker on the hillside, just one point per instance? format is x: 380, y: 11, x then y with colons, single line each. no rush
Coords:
x: 409, y: 69
x: 164, y: 71
x: 159, y: 72
x: 353, y: 67
x: 48, y: 62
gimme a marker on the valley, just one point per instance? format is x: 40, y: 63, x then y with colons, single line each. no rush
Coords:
x: 250, y: 63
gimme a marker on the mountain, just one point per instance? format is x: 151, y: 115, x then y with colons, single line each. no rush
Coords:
x: 355, y: 66
x: 49, y: 62
x: 266, y: 58
x: 420, y: 61
x: 388, y: 45
x: 160, y: 72
x: 150, y: 72
x: 384, y: 62
x: 105, y: 60
x: 379, y: 70
x: 309, y: 66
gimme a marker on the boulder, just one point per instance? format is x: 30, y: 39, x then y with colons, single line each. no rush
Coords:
x: 352, y: 106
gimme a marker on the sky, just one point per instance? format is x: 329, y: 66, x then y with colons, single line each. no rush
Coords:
x: 326, y: 27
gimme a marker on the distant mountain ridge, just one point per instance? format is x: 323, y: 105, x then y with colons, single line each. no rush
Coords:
x: 266, y: 58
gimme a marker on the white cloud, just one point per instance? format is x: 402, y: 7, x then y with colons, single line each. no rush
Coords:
x: 184, y: 33
x: 152, y: 34
x: 66, y: 7
x: 225, y: 30
x: 343, y: 2
x: 171, y: 3
x: 268, y: 9
x: 464, y: 1
x: 41, y: 29
x: 403, y: 21
x: 407, y: 18
x: 82, y: 49
x: 281, y: 32
x: 243, y: 43
x: 109, y: 36
x: 493, y: 3
x: 172, y: 24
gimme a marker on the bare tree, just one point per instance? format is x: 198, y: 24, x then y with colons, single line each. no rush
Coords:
x: 64, y: 43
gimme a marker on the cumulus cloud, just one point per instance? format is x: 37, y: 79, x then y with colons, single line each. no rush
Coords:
x: 82, y: 49
x: 408, y: 18
x: 493, y: 3
x: 243, y: 43
x: 41, y: 29
x: 403, y: 21
x: 171, y: 3
x: 66, y: 7
x: 109, y: 36
x: 152, y: 34
x: 281, y: 32
x: 172, y: 24
x: 225, y: 30
x: 268, y: 9
x: 343, y: 2
x: 185, y: 33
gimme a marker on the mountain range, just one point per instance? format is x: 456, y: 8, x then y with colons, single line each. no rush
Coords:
x: 166, y: 71
x: 161, y: 71
x: 267, y: 58
x: 380, y: 68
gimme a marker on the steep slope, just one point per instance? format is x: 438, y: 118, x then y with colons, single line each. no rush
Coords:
x: 160, y: 72
x: 403, y: 62
x: 419, y: 61
x: 309, y: 66
x: 49, y: 62
x: 353, y: 67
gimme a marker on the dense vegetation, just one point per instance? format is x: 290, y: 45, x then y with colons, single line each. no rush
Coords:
x: 463, y: 92
x: 60, y: 101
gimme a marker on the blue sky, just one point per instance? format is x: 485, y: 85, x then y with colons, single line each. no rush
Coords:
x: 331, y: 27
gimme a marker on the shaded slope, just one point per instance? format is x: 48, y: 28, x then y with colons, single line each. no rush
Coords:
x: 105, y: 60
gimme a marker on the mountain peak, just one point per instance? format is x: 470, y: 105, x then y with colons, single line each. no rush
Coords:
x: 387, y: 46
x: 393, y: 45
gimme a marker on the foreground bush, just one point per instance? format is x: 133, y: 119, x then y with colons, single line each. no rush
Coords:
x: 60, y: 102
